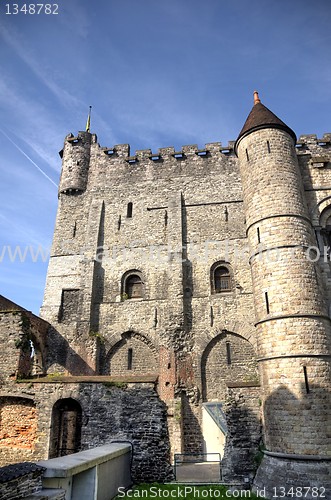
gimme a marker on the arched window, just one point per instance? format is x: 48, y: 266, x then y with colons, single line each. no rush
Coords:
x: 134, y: 287
x: 220, y: 279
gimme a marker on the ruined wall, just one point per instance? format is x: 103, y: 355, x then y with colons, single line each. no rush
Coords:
x: 108, y: 413
x: 241, y: 456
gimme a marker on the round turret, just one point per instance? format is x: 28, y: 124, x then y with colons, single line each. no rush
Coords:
x: 75, y: 163
x: 293, y: 327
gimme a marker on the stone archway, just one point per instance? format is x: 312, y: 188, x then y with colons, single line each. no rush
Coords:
x: 227, y: 358
x: 133, y: 354
x: 66, y: 427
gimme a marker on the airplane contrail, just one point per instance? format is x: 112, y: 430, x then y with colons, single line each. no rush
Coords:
x: 28, y: 157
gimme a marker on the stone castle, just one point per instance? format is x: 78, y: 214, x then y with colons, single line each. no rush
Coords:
x: 187, y: 309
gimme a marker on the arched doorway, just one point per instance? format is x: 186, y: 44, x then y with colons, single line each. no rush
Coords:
x: 65, y: 428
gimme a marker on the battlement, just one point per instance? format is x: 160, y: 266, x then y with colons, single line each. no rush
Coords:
x: 308, y: 139
x: 123, y: 150
x: 163, y: 153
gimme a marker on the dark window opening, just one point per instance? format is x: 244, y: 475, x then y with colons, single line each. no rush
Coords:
x: 129, y: 210
x: 226, y: 214
x: 228, y: 353
x: 222, y: 279
x: 74, y: 230
x: 258, y: 235
x: 247, y: 155
x: 267, y: 302
x: 268, y: 146
x: 130, y: 355
x: 134, y: 286
x: 169, y: 366
x: 306, y: 379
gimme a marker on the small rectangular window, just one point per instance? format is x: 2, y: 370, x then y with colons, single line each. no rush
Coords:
x: 228, y: 353
x: 268, y: 146
x: 129, y: 210
x: 247, y: 155
x: 258, y: 235
x: 130, y: 353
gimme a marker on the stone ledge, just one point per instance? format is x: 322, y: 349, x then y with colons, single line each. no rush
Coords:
x: 95, y: 379
x: 238, y: 385
x: 78, y: 462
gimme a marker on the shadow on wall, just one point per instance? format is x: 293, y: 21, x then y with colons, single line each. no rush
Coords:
x: 298, y: 426
x: 292, y: 425
x: 192, y: 428
x: 241, y: 452
x: 61, y: 354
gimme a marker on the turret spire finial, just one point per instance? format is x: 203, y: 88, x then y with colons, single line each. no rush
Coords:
x: 256, y: 97
x: 88, y: 123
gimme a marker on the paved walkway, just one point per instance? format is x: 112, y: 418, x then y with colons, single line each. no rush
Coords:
x: 202, y: 472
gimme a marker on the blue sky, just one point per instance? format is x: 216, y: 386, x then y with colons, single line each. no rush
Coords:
x: 158, y: 73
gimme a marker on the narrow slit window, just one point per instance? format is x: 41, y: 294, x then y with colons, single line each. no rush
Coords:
x: 247, y: 156
x: 258, y: 235
x: 267, y: 301
x: 226, y: 214
x: 268, y: 146
x: 129, y: 210
x: 130, y: 355
x: 228, y: 353
x: 74, y: 230
x: 306, y: 379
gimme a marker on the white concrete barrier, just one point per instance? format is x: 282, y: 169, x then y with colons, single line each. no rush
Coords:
x: 94, y: 474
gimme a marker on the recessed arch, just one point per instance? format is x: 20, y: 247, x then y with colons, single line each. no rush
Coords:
x: 133, y: 354
x: 18, y: 423
x: 66, y: 427
x: 228, y: 357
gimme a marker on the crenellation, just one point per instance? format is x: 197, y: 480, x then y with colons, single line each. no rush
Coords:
x: 143, y: 153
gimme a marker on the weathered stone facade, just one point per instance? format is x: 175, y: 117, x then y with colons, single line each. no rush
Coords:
x: 158, y: 263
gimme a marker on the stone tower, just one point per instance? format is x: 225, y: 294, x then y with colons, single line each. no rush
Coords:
x: 293, y: 327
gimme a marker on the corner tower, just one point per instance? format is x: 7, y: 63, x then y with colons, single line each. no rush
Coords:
x: 75, y: 163
x: 293, y: 327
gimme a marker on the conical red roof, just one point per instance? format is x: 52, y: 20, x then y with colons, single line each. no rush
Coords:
x: 261, y: 117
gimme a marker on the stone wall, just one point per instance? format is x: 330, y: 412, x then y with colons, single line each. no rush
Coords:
x: 242, y: 410
x: 22, y: 480
x: 108, y: 412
